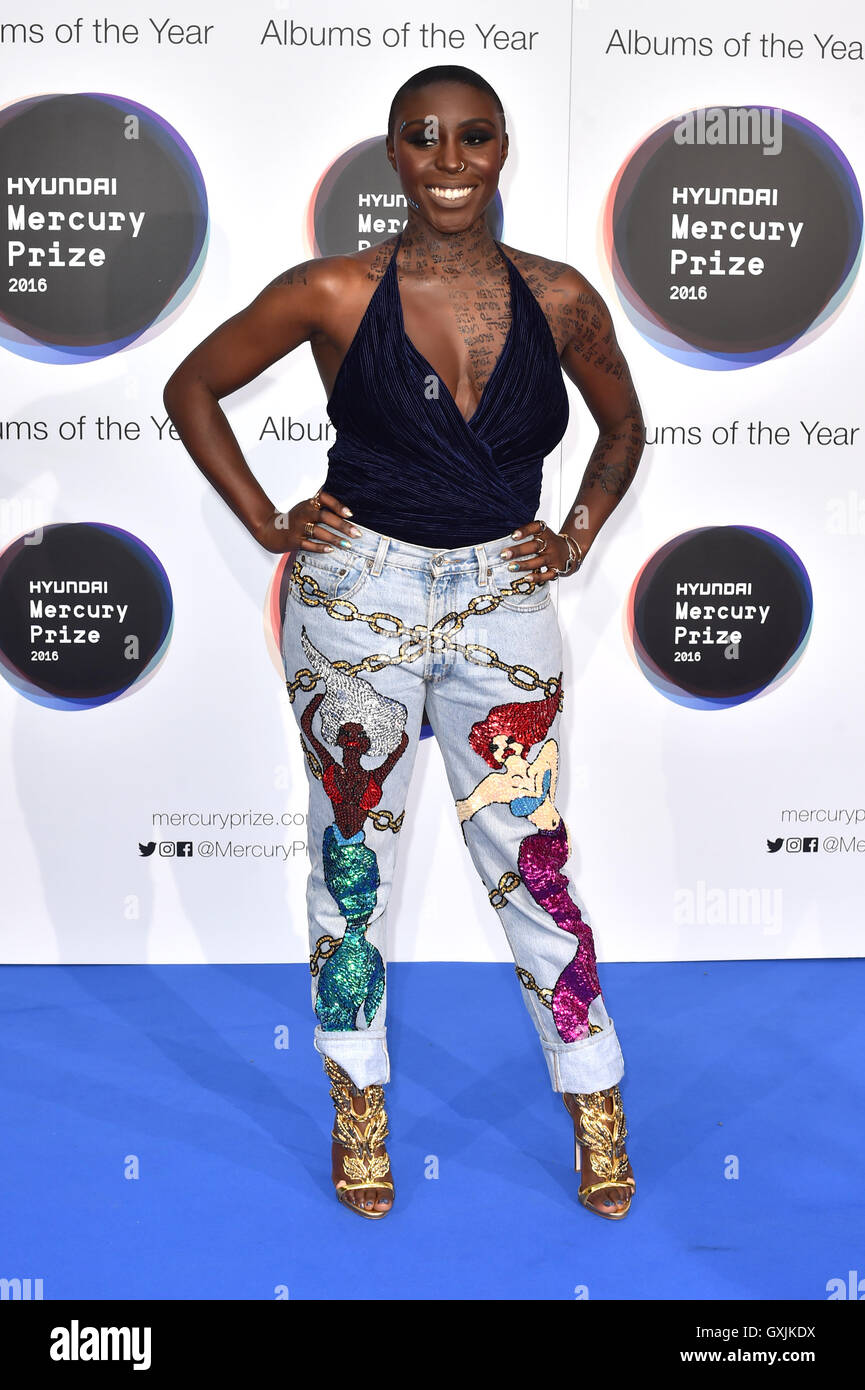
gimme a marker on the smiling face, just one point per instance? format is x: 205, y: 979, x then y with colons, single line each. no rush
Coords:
x: 436, y: 130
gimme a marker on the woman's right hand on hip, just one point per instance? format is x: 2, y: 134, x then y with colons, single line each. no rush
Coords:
x: 305, y: 526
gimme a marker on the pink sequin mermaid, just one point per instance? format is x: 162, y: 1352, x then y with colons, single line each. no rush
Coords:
x: 528, y: 789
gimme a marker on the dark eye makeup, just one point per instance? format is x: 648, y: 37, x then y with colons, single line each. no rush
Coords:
x: 475, y: 137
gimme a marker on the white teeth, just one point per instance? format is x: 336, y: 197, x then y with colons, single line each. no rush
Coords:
x: 452, y: 194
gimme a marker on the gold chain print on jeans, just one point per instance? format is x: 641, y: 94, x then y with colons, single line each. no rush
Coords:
x: 528, y: 981
x: 506, y: 884
x: 419, y: 637
x: 324, y: 949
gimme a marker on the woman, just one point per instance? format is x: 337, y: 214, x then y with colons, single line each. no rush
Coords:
x: 420, y: 587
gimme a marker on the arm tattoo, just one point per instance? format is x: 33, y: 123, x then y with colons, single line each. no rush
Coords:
x: 297, y: 275
x: 581, y: 323
x: 614, y: 459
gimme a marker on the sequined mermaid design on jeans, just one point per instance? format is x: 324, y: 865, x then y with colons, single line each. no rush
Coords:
x: 360, y: 721
x: 502, y: 740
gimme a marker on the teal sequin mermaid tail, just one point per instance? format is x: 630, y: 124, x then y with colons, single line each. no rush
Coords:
x: 353, y: 977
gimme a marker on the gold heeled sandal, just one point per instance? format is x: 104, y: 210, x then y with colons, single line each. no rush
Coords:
x: 362, y: 1166
x: 604, y: 1136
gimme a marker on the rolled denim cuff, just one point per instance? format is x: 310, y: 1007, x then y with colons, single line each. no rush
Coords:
x: 362, y: 1054
x: 592, y: 1064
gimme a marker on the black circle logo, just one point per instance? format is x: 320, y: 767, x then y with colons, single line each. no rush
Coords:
x: 106, y: 224
x: 85, y: 613
x: 719, y: 615
x: 733, y: 232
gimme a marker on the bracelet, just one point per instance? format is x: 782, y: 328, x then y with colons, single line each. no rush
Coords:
x: 570, y: 566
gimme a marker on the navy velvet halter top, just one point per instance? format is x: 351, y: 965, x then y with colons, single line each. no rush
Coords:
x: 406, y: 461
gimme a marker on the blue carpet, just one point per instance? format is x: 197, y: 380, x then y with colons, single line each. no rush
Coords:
x: 174, y: 1068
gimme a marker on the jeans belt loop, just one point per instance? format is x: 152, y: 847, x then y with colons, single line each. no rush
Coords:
x: 482, y: 564
x: 381, y: 552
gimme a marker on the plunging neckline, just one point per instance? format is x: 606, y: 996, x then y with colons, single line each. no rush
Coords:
x: 424, y: 362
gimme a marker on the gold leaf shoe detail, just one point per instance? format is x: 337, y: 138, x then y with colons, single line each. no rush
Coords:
x: 360, y: 1135
x: 603, y: 1135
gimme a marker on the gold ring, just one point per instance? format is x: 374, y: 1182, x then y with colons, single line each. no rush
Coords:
x: 316, y: 500
x: 309, y: 528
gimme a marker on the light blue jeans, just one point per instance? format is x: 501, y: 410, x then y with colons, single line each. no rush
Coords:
x: 376, y: 637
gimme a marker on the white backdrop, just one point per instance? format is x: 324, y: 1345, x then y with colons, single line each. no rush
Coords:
x: 669, y: 807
